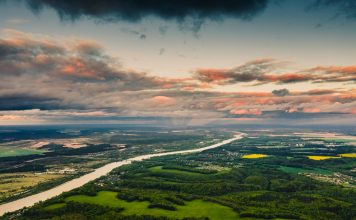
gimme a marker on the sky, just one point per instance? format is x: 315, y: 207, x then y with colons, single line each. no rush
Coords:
x: 178, y: 62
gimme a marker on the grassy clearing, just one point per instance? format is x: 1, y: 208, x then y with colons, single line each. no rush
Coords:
x: 322, y: 157
x: 13, y: 152
x: 193, y: 208
x: 254, y: 156
x: 55, y: 206
x: 349, y: 155
x: 297, y: 170
x: 159, y: 169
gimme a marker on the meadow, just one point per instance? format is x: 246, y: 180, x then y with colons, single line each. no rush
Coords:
x: 195, y: 208
x: 159, y: 170
x: 17, y: 183
x: 186, y: 171
x: 297, y: 170
x: 15, y: 152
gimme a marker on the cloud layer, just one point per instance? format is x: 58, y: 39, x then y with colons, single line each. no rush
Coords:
x: 46, y: 80
x: 265, y: 71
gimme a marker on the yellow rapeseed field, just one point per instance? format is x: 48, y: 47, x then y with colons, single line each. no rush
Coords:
x: 350, y: 155
x: 254, y: 156
x: 321, y: 157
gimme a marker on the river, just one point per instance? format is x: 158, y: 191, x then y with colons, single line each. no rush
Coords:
x: 99, y: 172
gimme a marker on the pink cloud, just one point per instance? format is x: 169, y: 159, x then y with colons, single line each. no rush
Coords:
x: 13, y: 118
x: 252, y: 111
x: 163, y: 101
x: 311, y: 110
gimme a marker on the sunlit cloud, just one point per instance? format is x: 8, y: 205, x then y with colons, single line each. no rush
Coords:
x: 46, y: 81
x: 264, y: 71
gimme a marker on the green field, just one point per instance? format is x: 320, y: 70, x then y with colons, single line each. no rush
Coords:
x: 55, y: 206
x: 297, y: 170
x: 8, y: 152
x: 342, y: 140
x: 160, y: 169
x: 193, y: 208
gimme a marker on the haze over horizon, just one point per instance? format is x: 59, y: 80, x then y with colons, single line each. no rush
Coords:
x: 144, y: 62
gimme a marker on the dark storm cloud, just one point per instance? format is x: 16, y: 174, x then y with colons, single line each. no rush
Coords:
x: 135, y: 10
x: 280, y: 92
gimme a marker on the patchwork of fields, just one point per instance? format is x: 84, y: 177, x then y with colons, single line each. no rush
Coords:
x: 53, y: 155
x: 247, y: 179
